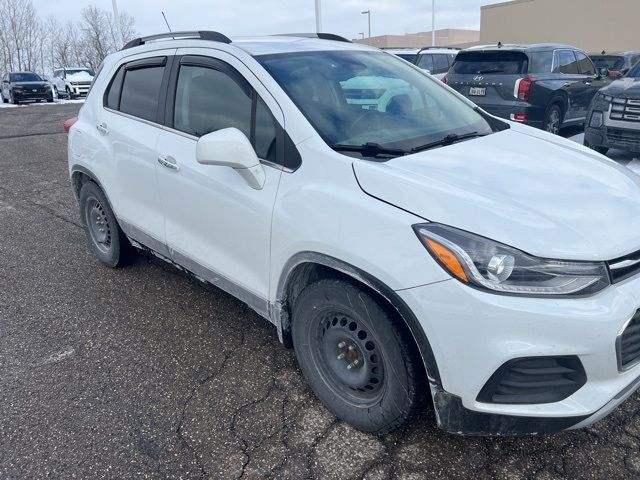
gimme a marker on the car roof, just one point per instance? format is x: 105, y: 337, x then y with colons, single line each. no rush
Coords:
x: 520, y: 47
x: 290, y: 44
x: 23, y: 71
x: 615, y: 54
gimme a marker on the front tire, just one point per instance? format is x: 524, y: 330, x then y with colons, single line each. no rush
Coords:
x: 105, y: 237
x: 553, y: 119
x: 354, y: 356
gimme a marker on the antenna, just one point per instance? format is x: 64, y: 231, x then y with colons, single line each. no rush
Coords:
x: 165, y: 20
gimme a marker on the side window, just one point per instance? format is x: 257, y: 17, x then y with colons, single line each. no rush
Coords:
x: 440, y: 64
x: 265, y: 132
x: 585, y: 64
x: 112, y: 96
x: 426, y: 62
x: 635, y: 60
x: 564, y: 61
x: 541, y: 62
x: 141, y: 91
x: 452, y: 58
x: 208, y: 100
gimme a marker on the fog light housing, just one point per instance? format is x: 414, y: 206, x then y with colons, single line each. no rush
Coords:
x: 597, y: 120
x: 534, y: 380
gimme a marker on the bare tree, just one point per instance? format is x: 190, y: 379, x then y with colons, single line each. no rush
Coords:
x: 28, y: 43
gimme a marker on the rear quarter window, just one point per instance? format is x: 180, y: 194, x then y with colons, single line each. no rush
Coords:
x: 541, y: 62
x: 503, y: 62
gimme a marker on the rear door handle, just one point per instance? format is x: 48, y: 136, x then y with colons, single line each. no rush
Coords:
x: 567, y: 84
x: 102, y: 128
x: 169, y: 162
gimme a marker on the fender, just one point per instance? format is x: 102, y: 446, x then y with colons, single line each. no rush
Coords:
x: 280, y: 315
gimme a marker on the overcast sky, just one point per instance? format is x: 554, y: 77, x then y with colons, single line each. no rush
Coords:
x: 261, y: 17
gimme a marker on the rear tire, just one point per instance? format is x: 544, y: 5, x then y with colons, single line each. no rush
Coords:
x: 553, y: 119
x: 4, y: 100
x: 354, y: 356
x: 105, y: 237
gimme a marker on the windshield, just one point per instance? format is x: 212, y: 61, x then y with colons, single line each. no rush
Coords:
x: 358, y: 98
x: 610, y: 62
x: 24, y: 77
x: 75, y: 71
x: 505, y: 62
x: 635, y: 71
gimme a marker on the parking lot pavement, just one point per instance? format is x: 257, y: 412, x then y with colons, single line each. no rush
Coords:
x: 145, y: 372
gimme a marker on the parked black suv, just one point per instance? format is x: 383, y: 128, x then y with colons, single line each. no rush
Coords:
x: 546, y: 86
x: 614, y: 116
x: 616, y: 65
x: 20, y: 87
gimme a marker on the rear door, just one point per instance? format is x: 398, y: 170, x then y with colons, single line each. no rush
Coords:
x: 129, y: 125
x: 574, y: 83
x: 488, y: 77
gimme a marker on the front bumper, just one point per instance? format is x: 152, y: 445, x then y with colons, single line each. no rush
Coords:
x: 627, y: 139
x: 472, y: 333
x: 28, y: 95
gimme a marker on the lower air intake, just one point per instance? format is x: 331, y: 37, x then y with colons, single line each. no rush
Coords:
x: 534, y: 380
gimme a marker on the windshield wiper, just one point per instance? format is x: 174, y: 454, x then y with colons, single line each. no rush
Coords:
x: 448, y: 140
x: 369, y: 149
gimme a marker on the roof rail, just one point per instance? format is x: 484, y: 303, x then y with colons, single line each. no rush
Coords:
x: 201, y: 35
x: 320, y: 35
x: 439, y: 48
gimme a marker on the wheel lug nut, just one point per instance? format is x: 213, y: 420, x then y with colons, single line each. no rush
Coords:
x: 352, y: 348
x: 341, y: 356
x: 342, y: 344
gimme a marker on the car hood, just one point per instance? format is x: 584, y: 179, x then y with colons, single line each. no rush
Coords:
x: 628, y: 87
x: 542, y: 194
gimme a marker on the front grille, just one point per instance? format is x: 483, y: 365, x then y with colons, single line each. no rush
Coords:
x: 628, y: 344
x: 625, y: 109
x: 534, y: 380
x: 624, y: 267
x: 620, y: 136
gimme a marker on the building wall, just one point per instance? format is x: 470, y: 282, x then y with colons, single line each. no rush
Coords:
x: 444, y: 38
x: 593, y: 25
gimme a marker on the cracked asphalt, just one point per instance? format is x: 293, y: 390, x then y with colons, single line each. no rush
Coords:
x: 147, y: 373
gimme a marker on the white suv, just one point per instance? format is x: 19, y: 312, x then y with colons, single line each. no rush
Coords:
x: 72, y: 82
x: 417, y: 248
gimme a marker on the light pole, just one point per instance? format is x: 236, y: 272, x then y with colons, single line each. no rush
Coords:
x: 433, y: 23
x: 318, y: 16
x: 368, y: 14
x: 116, y: 19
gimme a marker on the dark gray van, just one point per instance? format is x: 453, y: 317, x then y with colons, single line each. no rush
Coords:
x: 545, y: 85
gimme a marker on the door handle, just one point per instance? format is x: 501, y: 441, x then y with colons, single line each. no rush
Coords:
x: 587, y: 83
x: 169, y: 162
x: 102, y: 128
x: 566, y: 84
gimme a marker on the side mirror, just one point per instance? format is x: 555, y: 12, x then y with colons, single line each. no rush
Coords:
x: 230, y: 147
x: 603, y: 71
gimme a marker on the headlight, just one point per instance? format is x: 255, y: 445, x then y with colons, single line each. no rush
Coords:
x: 488, y: 265
x: 602, y: 101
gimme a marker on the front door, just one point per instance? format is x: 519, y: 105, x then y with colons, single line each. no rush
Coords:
x: 216, y: 224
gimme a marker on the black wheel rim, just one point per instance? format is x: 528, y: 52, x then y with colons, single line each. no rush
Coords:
x: 348, y: 357
x: 98, y: 224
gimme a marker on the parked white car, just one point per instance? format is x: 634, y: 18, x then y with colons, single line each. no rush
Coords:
x: 428, y: 250
x: 435, y: 60
x: 72, y: 81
